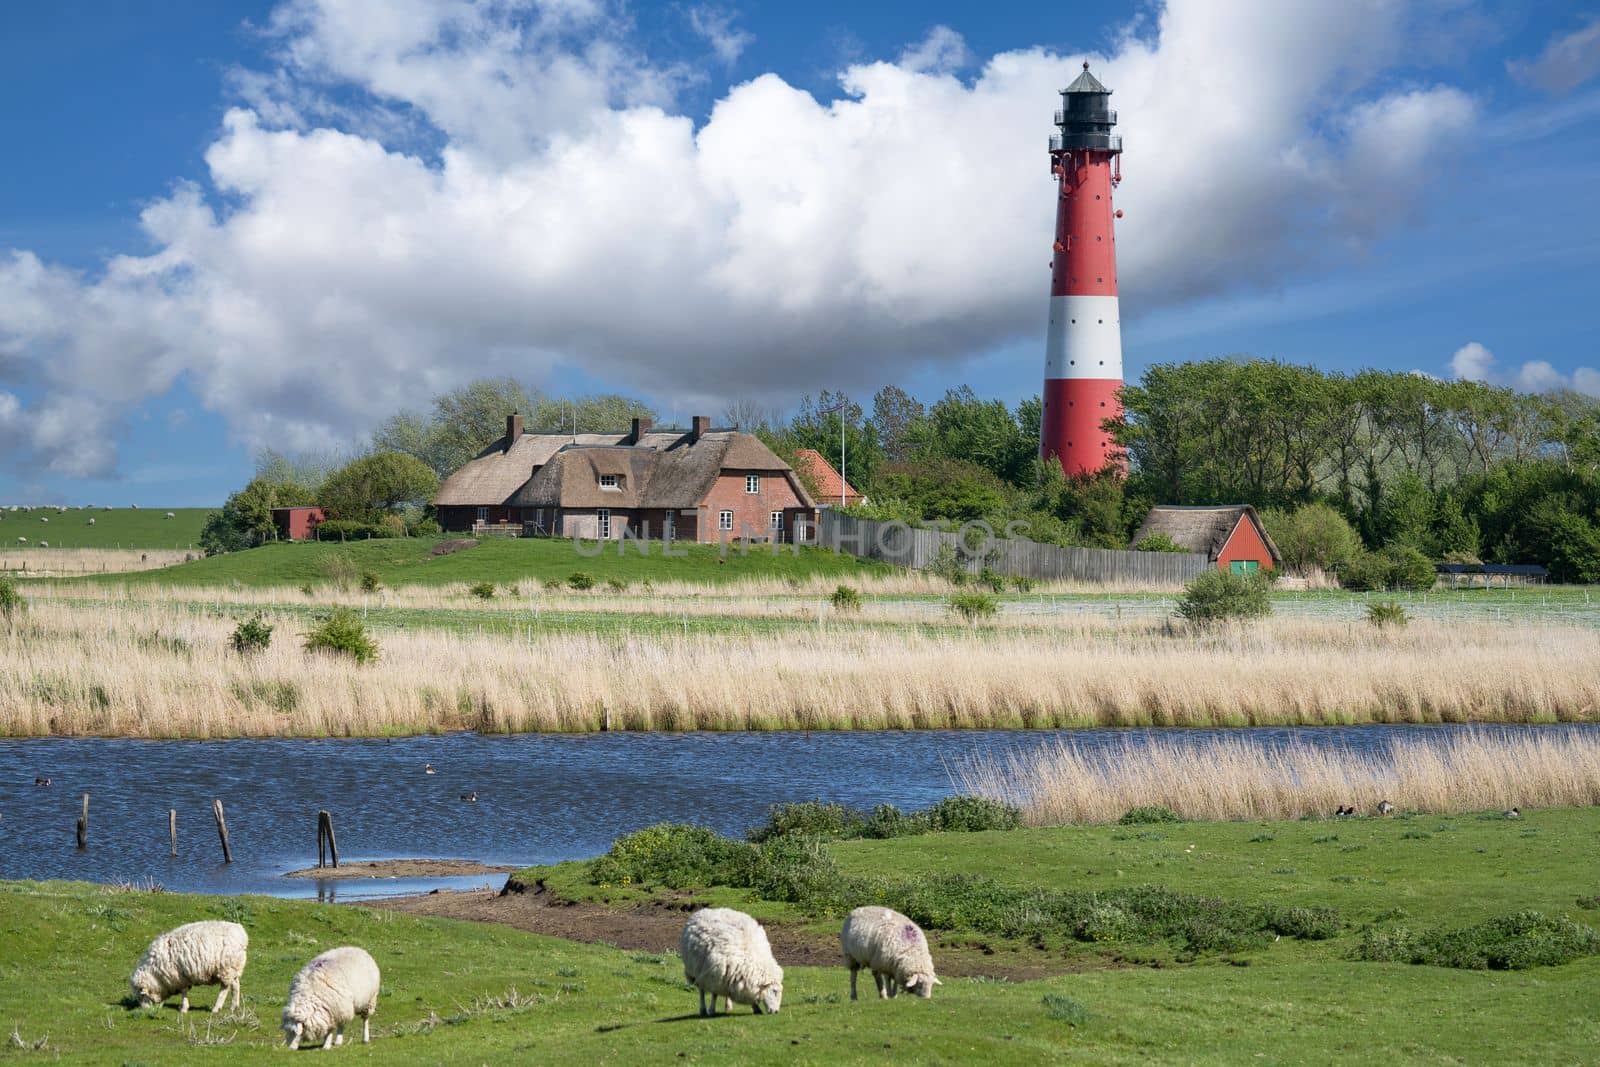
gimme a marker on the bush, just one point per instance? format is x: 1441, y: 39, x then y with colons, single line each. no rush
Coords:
x: 1509, y: 942
x: 351, y: 530
x: 550, y: 585
x: 1022, y: 584
x: 343, y: 634
x: 1395, y: 567
x: 1384, y: 613
x: 1315, y: 535
x: 370, y: 582
x: 11, y: 602
x: 1142, y: 816
x: 1063, y: 1008
x: 482, y: 590
x: 252, y: 635
x: 973, y: 606
x: 425, y: 528
x: 969, y: 814
x: 1221, y: 596
x: 580, y: 580
x: 672, y: 855
x: 816, y: 817
x: 845, y: 598
x: 825, y: 819
x: 1157, y: 542
x: 617, y: 585
x: 947, y: 564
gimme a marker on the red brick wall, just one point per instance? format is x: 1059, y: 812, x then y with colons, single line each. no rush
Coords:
x: 1244, y: 543
x: 752, y: 512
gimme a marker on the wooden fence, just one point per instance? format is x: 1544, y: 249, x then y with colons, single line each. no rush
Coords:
x: 898, y: 543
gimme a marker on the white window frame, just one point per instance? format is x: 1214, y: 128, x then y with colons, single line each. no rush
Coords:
x: 725, y: 521
x: 669, y: 526
x: 752, y: 483
x: 777, y: 521
x: 610, y: 481
x: 483, y: 515
x: 604, y: 515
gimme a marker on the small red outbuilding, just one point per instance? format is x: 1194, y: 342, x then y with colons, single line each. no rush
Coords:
x: 297, y: 524
x: 1231, y: 535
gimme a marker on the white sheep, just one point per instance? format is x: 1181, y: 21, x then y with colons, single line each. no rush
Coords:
x: 725, y: 953
x: 170, y: 515
x: 892, y: 947
x: 91, y: 522
x: 328, y: 992
x: 211, y: 952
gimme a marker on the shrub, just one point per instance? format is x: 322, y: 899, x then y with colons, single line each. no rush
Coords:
x: 426, y: 528
x: 845, y: 598
x: 1509, y: 942
x: 550, y: 585
x: 1063, y: 1008
x: 482, y: 590
x: 1315, y: 535
x: 252, y: 635
x: 1022, y: 584
x: 992, y: 580
x: 1220, y: 596
x: 351, y: 530
x: 1383, y: 613
x: 339, y: 569
x: 1395, y: 567
x: 947, y: 564
x: 617, y: 585
x: 370, y: 582
x: 1154, y: 813
x: 11, y: 602
x: 1157, y: 542
x: 672, y: 855
x: 968, y: 814
x: 825, y: 819
x: 343, y: 634
x: 973, y: 606
x: 817, y: 817
x: 580, y: 580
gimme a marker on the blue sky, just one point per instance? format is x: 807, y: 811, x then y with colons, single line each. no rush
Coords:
x: 224, y: 226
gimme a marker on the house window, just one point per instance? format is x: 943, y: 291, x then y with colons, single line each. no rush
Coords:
x: 725, y: 520
x: 752, y: 483
x: 669, y: 526
x: 483, y: 514
x: 609, y: 481
x: 777, y: 520
x: 604, y: 515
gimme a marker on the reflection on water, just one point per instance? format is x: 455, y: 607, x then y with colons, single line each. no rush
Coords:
x: 541, y: 797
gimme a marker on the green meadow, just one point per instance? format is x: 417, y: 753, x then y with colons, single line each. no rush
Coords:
x: 138, y: 528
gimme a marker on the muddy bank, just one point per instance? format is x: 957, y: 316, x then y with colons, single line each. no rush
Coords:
x: 655, y: 928
x: 399, y: 869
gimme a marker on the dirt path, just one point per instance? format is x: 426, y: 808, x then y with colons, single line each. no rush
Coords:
x: 655, y: 927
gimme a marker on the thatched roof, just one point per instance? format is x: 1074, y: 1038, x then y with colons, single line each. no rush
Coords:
x: 665, y: 469
x: 1202, y: 529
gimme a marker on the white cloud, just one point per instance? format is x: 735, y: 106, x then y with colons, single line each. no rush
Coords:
x: 1474, y: 362
x: 1569, y: 60
x: 508, y: 188
x: 727, y: 41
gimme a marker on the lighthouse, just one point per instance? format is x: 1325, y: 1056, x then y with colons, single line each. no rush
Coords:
x: 1083, y: 350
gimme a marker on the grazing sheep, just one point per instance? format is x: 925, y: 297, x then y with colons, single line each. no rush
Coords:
x: 44, y: 518
x: 170, y: 515
x: 91, y: 521
x: 203, y: 953
x: 44, y: 544
x: 22, y: 540
x: 892, y: 947
x: 328, y: 992
x: 725, y: 953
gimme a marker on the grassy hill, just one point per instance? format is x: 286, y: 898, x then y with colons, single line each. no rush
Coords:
x: 141, y: 528
x: 410, y: 561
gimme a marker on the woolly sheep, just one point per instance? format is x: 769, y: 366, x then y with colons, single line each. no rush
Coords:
x: 892, y: 947
x: 328, y: 992
x: 725, y: 953
x: 203, y: 953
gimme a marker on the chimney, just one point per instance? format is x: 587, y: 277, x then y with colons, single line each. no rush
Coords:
x: 702, y: 426
x: 640, y: 428
x: 513, y: 429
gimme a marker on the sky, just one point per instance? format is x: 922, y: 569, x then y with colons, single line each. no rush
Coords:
x: 234, y: 226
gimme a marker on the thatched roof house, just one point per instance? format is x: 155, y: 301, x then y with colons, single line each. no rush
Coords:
x: 697, y: 484
x: 1231, y: 535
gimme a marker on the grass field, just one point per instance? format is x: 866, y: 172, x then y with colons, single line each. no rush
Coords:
x: 116, y: 528
x: 472, y: 992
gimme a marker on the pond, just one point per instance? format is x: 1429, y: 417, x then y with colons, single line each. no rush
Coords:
x: 540, y: 797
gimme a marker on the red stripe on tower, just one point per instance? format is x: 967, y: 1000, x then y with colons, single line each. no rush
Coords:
x: 1083, y: 350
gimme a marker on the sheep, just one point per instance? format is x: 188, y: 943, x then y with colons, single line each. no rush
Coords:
x: 328, y: 992
x: 170, y: 515
x: 892, y: 947
x: 725, y: 953
x: 211, y: 952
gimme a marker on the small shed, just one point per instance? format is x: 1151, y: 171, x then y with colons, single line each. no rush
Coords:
x: 1231, y: 535
x: 297, y: 524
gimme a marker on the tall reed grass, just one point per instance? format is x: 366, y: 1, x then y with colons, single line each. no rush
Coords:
x: 67, y: 562
x: 1231, y: 779
x: 150, y: 670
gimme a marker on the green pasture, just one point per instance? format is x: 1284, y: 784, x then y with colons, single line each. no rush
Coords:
x: 140, y: 528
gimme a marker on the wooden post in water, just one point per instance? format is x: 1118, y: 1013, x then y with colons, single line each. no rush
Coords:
x: 83, y: 825
x: 222, y: 830
x: 333, y: 842
x: 322, y: 839
x: 172, y: 828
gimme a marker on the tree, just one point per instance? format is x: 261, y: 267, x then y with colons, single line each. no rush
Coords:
x: 985, y: 432
x: 817, y: 425
x: 376, y: 485
x: 1315, y: 535
x: 898, y: 417
x: 246, y: 517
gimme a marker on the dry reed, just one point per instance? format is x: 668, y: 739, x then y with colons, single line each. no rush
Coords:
x: 66, y: 562
x: 1228, y: 778
x: 146, y: 670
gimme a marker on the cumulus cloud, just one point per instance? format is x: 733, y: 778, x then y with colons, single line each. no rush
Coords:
x: 716, y: 26
x: 423, y: 191
x: 1474, y: 362
x: 1569, y: 60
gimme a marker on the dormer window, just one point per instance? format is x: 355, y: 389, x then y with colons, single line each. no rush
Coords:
x: 610, y: 481
x: 752, y: 483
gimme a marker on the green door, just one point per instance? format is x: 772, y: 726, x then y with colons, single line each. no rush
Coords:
x: 1244, y: 566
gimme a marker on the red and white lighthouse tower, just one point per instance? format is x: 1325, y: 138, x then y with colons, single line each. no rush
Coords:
x: 1083, y: 353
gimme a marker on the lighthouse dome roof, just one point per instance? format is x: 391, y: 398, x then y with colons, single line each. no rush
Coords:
x: 1086, y: 83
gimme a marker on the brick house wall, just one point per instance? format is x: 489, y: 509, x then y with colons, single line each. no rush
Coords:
x: 752, y: 512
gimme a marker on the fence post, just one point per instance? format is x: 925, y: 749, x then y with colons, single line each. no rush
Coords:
x: 83, y: 825
x: 322, y: 839
x: 222, y: 830
x: 172, y: 828
x: 333, y: 842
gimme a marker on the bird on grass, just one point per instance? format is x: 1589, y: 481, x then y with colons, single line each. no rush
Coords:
x: 1514, y: 813
x: 1385, y: 808
x: 471, y: 797
x: 1345, y: 810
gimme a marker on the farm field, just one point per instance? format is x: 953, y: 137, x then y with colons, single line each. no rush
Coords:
x: 470, y: 991
x: 136, y: 528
